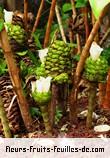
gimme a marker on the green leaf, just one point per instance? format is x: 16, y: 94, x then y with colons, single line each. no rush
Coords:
x: 35, y: 111
x: 23, y: 68
x: 106, y: 54
x: 76, y: 57
x: 37, y: 40
x: 3, y: 67
x: 81, y: 3
x: 33, y: 57
x: 1, y: 24
x: 22, y: 53
x: 67, y: 7
x: 97, y: 6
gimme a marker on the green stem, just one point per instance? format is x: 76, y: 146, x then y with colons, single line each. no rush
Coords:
x: 4, y: 120
x: 91, y: 103
x: 45, y: 115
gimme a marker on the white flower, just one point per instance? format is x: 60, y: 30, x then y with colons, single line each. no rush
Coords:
x: 8, y: 16
x: 41, y: 85
x: 95, y: 51
x: 33, y: 85
x: 43, y: 54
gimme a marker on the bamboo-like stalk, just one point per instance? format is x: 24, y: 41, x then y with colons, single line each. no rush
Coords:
x: 96, y: 38
x: 78, y: 43
x: 4, y: 120
x: 77, y: 35
x: 102, y: 92
x: 86, y: 23
x: 16, y: 81
x: 91, y: 103
x: 73, y: 105
x: 11, y: 5
x: 105, y: 36
x: 73, y: 9
x: 50, y: 19
x: 38, y: 17
x: 70, y: 36
x: 72, y: 100
x: 63, y: 96
x: 45, y: 115
x: 26, y: 14
x: 60, y: 23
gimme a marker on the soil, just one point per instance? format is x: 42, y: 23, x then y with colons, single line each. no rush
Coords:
x: 77, y: 130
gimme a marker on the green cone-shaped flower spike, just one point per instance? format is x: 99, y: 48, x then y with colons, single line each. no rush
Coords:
x: 96, y: 70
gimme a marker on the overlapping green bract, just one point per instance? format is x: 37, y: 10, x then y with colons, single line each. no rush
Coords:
x: 16, y: 32
x: 40, y: 71
x: 58, y: 63
x: 42, y: 98
x: 96, y: 70
x: 62, y: 78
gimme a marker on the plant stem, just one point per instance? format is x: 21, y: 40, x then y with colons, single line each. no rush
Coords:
x: 38, y: 17
x: 60, y: 23
x: 96, y: 38
x: 63, y: 95
x: 50, y: 19
x: 70, y: 36
x: 78, y: 43
x: 91, y: 103
x: 45, y: 115
x: 77, y: 35
x: 73, y: 10
x: 16, y: 81
x: 53, y: 103
x: 73, y: 105
x: 86, y: 23
x: 26, y: 14
x: 105, y: 36
x: 106, y: 103
x: 4, y: 120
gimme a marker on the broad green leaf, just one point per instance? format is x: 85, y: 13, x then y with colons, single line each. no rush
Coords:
x: 81, y: 3
x: 97, y: 6
x: 67, y: 7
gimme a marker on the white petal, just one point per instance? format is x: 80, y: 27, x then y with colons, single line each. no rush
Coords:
x: 43, y: 54
x: 8, y: 16
x: 43, y: 84
x: 33, y: 85
x: 95, y: 51
x: 39, y: 86
x: 47, y: 84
